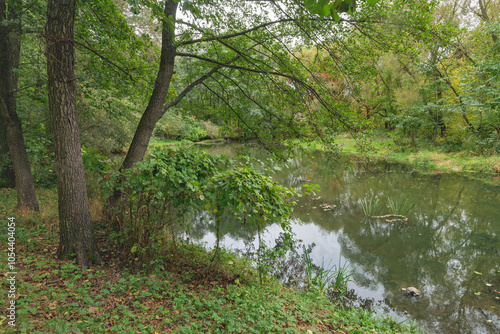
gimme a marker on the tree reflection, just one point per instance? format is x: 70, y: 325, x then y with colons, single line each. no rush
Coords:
x: 451, y: 236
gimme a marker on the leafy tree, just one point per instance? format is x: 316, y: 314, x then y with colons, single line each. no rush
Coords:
x: 236, y: 44
x: 11, y: 129
x: 75, y: 226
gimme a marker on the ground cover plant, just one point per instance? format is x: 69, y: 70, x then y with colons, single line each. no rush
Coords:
x: 176, y: 293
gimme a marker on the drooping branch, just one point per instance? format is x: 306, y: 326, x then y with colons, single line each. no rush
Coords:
x: 292, y: 78
x: 240, y: 33
x: 243, y: 91
x: 94, y: 51
x: 258, y: 27
x: 200, y: 80
x: 235, y: 112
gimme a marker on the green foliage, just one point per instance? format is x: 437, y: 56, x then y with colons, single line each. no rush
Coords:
x: 333, y: 7
x: 400, y: 207
x: 176, y: 126
x: 368, y: 205
x: 158, y: 193
x: 41, y: 157
x: 250, y: 197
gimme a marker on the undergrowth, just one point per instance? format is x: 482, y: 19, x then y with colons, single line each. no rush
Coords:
x: 174, y: 294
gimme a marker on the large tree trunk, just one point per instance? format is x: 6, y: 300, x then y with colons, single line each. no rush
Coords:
x: 76, y: 231
x: 154, y: 110
x: 10, y: 47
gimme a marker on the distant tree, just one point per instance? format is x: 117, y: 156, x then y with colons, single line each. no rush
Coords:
x: 10, y: 129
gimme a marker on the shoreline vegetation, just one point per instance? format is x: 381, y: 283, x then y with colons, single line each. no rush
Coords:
x: 175, y: 295
x: 424, y: 161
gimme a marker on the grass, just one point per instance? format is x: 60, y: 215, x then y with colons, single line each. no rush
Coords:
x: 400, y: 207
x: 156, y: 142
x: 322, y: 278
x: 368, y: 205
x: 424, y: 161
x: 176, y: 294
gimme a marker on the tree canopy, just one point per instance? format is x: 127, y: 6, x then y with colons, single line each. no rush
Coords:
x: 423, y: 72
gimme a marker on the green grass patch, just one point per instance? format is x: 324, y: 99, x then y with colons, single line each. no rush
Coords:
x: 423, y: 161
x: 157, y: 142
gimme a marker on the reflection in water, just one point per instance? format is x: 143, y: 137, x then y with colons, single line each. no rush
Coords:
x: 449, y: 249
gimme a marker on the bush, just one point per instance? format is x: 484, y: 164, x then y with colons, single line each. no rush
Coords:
x: 158, y: 194
x: 175, y: 126
x: 211, y: 129
x: 41, y: 156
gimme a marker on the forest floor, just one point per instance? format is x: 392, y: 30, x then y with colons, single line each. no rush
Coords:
x: 175, y: 294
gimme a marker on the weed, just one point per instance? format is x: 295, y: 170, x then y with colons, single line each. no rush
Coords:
x: 400, y: 207
x: 368, y: 205
x: 319, y: 278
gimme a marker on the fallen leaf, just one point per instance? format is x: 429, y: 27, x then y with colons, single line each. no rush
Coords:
x: 92, y: 309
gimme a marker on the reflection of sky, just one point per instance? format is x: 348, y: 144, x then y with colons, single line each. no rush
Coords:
x: 452, y: 232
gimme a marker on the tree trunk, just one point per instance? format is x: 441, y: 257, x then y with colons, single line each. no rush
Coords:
x: 10, y: 47
x: 75, y: 226
x: 7, y: 176
x: 154, y: 110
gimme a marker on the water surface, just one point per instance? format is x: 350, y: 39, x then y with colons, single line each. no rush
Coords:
x: 449, y: 249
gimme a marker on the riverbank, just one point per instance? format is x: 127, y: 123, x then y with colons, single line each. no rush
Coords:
x: 176, y: 294
x: 423, y: 161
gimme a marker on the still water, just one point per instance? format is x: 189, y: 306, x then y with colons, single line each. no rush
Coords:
x: 449, y: 249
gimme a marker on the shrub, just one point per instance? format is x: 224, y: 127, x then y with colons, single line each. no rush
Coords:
x: 157, y: 194
x: 211, y: 129
x: 176, y: 126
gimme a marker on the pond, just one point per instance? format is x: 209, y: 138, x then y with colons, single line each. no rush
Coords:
x: 448, y: 249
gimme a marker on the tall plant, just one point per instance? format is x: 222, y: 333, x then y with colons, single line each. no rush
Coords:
x: 249, y: 197
x: 159, y: 193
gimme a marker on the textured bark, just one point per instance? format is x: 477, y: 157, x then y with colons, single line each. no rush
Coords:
x: 154, y: 111
x: 76, y: 231
x: 10, y: 47
x: 7, y: 176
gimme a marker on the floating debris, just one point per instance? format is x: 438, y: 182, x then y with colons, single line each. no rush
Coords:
x: 399, y: 218
x: 412, y: 291
x: 327, y: 207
